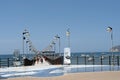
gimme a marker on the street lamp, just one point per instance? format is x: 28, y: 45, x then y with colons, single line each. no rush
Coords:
x: 25, y: 35
x: 57, y: 37
x: 67, y: 51
x: 68, y: 37
x: 109, y: 29
x: 54, y: 48
x: 23, y: 42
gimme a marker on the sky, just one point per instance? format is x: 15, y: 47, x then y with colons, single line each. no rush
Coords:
x: 86, y: 19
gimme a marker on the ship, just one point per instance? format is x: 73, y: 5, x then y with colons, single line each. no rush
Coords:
x: 47, y: 55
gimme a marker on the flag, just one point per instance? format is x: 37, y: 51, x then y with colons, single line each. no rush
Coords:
x: 23, y: 38
x: 57, y: 36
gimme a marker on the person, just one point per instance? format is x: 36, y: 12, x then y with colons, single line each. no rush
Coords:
x: 37, y: 60
x: 41, y: 60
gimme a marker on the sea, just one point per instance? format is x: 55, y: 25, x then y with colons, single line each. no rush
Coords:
x: 77, y: 58
x: 73, y: 54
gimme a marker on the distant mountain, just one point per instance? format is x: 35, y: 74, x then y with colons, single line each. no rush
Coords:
x: 115, y: 48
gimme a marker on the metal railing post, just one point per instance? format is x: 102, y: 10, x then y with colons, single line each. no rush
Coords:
x: 110, y: 63
x: 93, y: 63
x: 109, y: 60
x: 93, y: 60
x: 77, y: 60
x: 118, y: 60
x: 101, y: 62
x: 85, y: 60
x: 8, y: 62
x: 0, y: 62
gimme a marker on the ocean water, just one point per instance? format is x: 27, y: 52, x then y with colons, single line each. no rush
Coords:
x: 96, y: 54
x: 79, y: 58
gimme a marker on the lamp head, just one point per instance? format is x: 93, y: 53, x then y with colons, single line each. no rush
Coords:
x: 109, y: 29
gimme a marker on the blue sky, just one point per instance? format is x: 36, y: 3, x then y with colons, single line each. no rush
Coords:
x: 87, y: 20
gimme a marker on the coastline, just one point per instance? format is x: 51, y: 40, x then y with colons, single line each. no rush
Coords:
x: 104, y: 75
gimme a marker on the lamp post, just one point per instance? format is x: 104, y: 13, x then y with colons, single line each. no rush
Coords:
x: 67, y: 51
x: 23, y: 42
x: 68, y: 37
x: 27, y: 49
x: 57, y: 37
x: 25, y: 35
x: 54, y: 48
x: 109, y: 29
